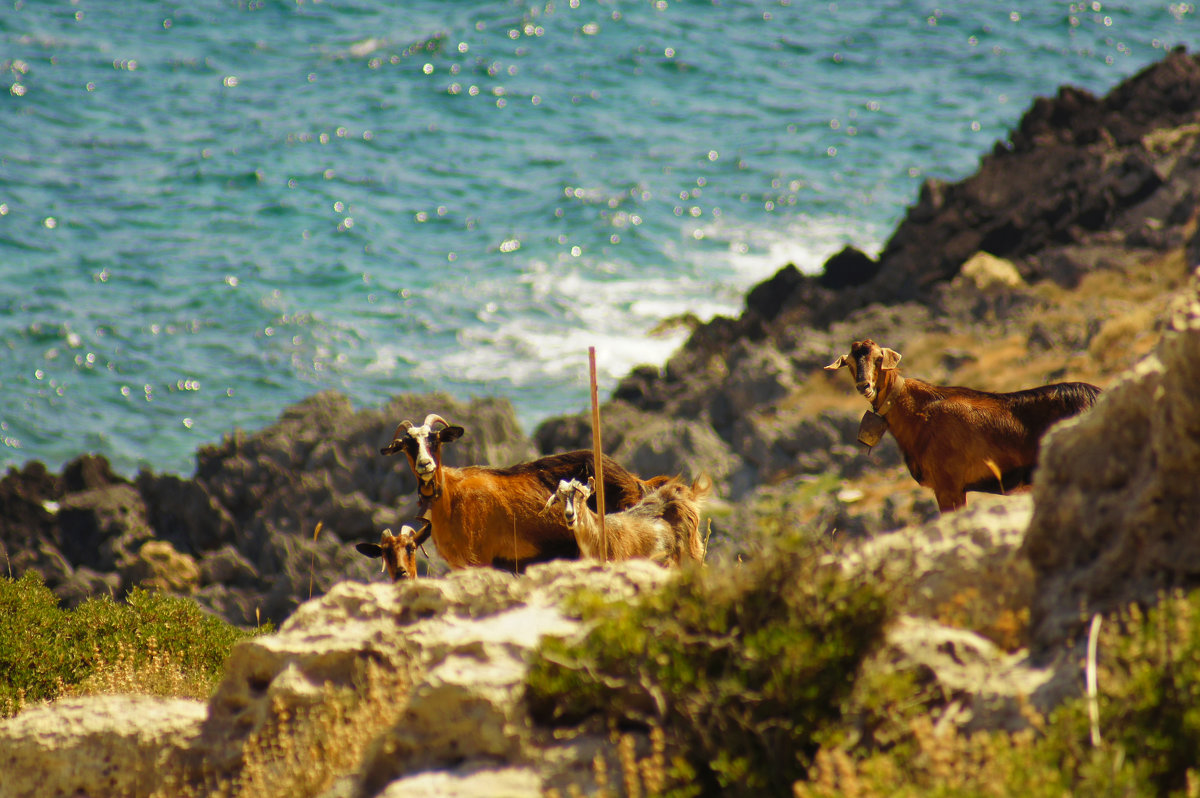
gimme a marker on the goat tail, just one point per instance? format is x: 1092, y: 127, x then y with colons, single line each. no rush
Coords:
x: 995, y: 469
x: 1081, y: 395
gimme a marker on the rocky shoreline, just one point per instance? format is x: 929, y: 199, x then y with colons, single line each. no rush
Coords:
x: 1072, y: 253
x: 1085, y: 188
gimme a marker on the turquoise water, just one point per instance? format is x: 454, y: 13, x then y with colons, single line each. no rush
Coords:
x: 209, y: 210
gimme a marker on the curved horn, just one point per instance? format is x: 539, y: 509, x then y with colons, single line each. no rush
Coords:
x: 425, y: 532
x: 434, y: 418
x: 394, y: 445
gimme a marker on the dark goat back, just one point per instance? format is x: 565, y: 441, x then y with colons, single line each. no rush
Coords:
x: 621, y: 488
x: 1039, y: 408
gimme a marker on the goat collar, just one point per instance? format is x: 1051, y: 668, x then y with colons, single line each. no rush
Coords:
x: 884, y: 403
x: 430, y: 491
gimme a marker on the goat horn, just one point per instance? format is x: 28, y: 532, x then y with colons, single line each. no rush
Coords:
x: 434, y: 418
x: 394, y: 445
x: 424, y: 533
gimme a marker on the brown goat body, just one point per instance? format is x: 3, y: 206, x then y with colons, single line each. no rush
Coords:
x: 956, y: 439
x: 484, y: 516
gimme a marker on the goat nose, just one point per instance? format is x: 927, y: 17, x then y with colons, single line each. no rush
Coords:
x: 862, y: 385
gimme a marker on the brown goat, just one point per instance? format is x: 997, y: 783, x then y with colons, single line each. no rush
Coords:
x: 399, y: 552
x: 485, y: 516
x: 663, y: 527
x: 959, y: 439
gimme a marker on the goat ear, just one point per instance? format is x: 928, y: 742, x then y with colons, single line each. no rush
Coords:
x: 396, y: 445
x: 591, y: 484
x: 369, y: 549
x: 837, y: 364
x: 450, y: 434
x: 891, y: 358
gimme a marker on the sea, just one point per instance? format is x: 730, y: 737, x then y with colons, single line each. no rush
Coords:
x: 210, y: 210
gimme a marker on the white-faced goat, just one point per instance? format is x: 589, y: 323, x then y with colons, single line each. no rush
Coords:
x: 663, y: 527
x: 399, y: 552
x: 492, y: 516
x: 957, y: 439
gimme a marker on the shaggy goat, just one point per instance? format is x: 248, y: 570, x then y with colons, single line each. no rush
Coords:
x: 492, y: 516
x: 664, y: 526
x: 399, y: 552
x: 959, y: 439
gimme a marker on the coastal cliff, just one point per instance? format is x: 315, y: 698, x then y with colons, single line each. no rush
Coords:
x: 1071, y: 254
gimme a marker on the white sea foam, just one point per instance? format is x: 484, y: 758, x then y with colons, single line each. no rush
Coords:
x: 561, y: 309
x: 616, y: 317
x: 753, y: 254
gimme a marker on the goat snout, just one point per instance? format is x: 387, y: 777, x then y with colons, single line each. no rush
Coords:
x: 866, y: 389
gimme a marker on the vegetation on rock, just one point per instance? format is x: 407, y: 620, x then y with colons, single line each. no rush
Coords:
x: 152, y: 643
x: 1148, y: 729
x: 741, y: 666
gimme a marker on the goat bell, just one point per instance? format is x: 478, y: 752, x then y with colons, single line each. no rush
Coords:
x: 871, y: 428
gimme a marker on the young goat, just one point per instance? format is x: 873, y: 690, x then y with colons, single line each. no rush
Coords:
x: 664, y: 526
x: 399, y: 552
x: 492, y: 516
x: 959, y: 439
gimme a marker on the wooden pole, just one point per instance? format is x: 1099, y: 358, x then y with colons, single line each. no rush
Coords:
x: 597, y: 459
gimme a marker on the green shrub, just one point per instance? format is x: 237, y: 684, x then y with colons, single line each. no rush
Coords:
x: 152, y: 643
x: 1149, y: 723
x: 1149, y: 690
x: 741, y: 665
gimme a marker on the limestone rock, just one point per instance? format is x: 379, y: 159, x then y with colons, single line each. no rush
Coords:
x: 975, y: 552
x: 158, y: 566
x: 98, y: 745
x: 473, y: 783
x: 985, y: 272
x: 984, y: 688
x: 1115, y: 494
x: 462, y: 644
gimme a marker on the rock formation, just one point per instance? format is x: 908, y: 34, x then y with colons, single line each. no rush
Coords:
x: 451, y: 654
x: 238, y: 537
x: 101, y: 745
x: 1116, y: 506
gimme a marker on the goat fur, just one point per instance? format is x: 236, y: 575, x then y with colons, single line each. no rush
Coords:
x: 957, y: 439
x: 484, y: 516
x: 663, y: 527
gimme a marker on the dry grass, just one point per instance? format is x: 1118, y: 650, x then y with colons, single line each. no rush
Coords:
x: 623, y: 771
x: 1007, y: 627
x: 944, y: 763
x: 300, y: 752
x: 152, y: 671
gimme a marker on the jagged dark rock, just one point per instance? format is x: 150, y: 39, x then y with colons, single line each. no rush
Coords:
x: 848, y: 268
x: 1082, y: 185
x: 242, y: 528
